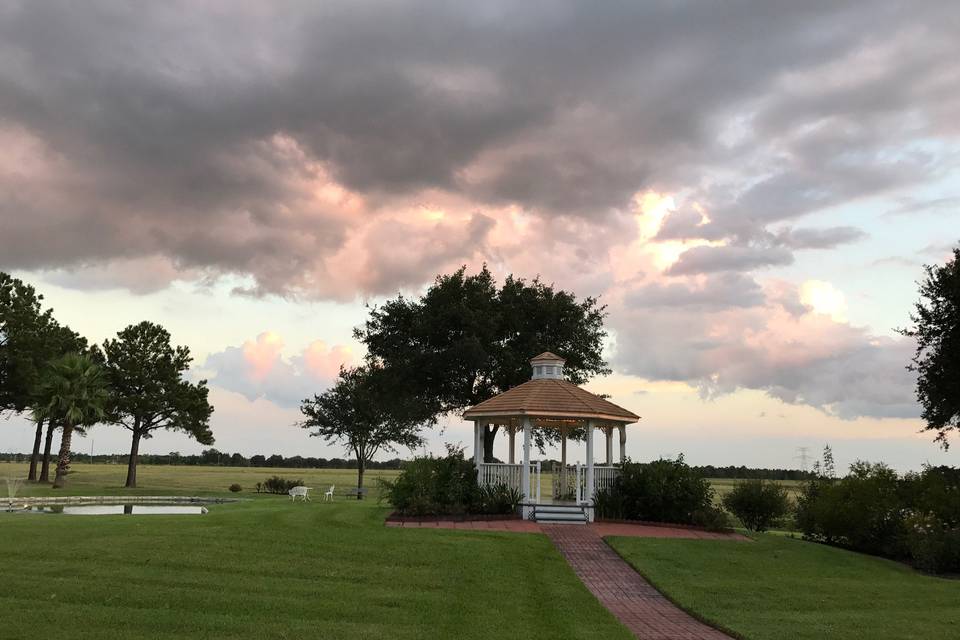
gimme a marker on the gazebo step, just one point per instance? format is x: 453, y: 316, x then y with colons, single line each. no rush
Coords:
x: 555, y: 513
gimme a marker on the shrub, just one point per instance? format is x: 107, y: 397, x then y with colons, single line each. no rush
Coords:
x: 662, y: 491
x: 236, y: 488
x: 932, y: 546
x: 863, y: 511
x: 712, y: 519
x: 277, y: 484
x: 758, y: 504
x: 435, y: 486
x: 499, y: 499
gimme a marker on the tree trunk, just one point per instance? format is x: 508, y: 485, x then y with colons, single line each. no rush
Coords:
x: 35, y: 456
x: 360, y: 471
x: 63, y: 463
x: 132, y: 462
x: 47, y: 444
x: 490, y: 432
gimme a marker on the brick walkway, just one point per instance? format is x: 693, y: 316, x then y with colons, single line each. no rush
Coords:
x: 640, y: 607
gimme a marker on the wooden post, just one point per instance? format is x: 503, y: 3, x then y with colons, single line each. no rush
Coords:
x: 526, y: 460
x: 623, y: 443
x: 512, y: 430
x: 608, y: 436
x: 563, y: 461
x: 588, y: 497
x: 477, y: 443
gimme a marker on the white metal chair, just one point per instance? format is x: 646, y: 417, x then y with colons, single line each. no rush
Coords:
x: 329, y: 494
x: 299, y: 492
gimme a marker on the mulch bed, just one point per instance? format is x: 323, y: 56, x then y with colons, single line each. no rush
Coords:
x: 463, y: 517
x: 670, y: 525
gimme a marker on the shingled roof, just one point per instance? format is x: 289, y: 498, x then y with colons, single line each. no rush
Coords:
x: 550, y: 398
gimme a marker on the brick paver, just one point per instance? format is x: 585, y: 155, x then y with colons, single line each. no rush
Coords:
x: 640, y: 607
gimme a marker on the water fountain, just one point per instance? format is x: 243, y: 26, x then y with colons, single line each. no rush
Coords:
x: 13, y: 485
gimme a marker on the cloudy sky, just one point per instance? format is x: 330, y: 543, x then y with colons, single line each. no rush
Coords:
x: 751, y: 187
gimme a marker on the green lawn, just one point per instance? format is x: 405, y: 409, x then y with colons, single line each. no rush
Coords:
x: 781, y: 588
x: 269, y: 568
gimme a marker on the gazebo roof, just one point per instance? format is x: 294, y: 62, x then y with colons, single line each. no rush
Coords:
x: 552, y: 399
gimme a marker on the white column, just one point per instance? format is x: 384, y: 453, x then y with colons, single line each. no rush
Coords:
x: 589, y: 488
x: 608, y: 437
x: 512, y: 430
x: 623, y: 443
x: 477, y: 443
x: 526, y: 460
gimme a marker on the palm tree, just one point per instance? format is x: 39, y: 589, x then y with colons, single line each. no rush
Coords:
x: 74, y: 392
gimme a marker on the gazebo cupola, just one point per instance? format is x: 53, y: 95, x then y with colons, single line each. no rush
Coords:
x: 547, y: 366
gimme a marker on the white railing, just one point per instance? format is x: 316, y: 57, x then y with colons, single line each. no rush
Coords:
x: 577, y: 480
x: 603, y: 477
x: 492, y: 473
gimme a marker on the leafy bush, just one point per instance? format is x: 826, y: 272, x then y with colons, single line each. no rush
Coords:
x: 711, y: 518
x: 933, y: 546
x: 435, y: 486
x: 862, y: 511
x: 499, y: 499
x: 236, y: 488
x: 758, y: 504
x: 277, y: 484
x: 915, y: 517
x: 661, y: 491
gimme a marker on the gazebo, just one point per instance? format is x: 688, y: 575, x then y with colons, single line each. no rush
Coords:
x: 548, y: 401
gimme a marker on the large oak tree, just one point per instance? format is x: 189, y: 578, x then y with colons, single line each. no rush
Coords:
x: 466, y: 340
x: 149, y: 391
x: 936, y: 328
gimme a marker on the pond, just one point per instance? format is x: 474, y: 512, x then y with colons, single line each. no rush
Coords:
x: 118, y: 509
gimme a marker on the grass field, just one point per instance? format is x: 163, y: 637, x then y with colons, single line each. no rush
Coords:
x: 160, y: 479
x: 166, y: 479
x: 269, y: 568
x: 779, y: 588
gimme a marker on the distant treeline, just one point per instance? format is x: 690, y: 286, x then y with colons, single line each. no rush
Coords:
x: 212, y: 457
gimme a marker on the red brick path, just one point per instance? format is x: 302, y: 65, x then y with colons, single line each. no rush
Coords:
x: 640, y: 607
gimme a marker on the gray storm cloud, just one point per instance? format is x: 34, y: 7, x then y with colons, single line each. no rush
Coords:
x: 288, y: 143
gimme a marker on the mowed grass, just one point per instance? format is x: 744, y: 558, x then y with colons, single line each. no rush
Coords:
x: 269, y: 568
x: 779, y: 588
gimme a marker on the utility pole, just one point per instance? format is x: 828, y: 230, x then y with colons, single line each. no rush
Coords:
x: 803, y: 455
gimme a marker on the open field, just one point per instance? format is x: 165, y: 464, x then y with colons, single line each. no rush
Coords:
x: 170, y: 479
x: 269, y: 568
x: 779, y: 588
x: 176, y: 479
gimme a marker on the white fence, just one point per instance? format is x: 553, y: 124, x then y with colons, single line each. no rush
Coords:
x: 577, y: 481
x: 511, y: 475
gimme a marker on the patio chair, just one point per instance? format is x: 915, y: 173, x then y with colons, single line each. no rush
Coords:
x: 299, y: 492
x: 329, y: 494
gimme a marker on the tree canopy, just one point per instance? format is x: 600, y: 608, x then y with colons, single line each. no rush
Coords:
x: 23, y: 325
x: 936, y: 328
x: 363, y: 412
x: 466, y: 339
x: 148, y: 389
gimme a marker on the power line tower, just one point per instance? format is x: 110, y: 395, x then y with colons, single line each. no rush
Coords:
x: 803, y: 455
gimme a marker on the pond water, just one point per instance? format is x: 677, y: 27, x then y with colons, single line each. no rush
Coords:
x: 120, y: 509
